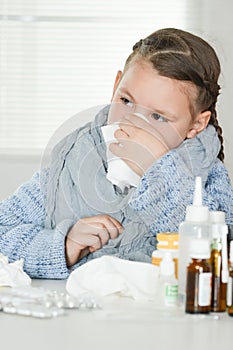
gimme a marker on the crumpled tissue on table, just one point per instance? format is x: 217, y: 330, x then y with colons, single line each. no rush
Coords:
x: 12, y: 274
x: 109, y: 275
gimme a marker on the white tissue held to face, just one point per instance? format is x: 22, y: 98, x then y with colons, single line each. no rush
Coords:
x: 119, y: 173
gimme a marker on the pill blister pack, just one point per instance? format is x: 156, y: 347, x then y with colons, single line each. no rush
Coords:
x: 42, y: 303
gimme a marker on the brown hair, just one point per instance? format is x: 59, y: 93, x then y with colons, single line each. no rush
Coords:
x: 180, y: 55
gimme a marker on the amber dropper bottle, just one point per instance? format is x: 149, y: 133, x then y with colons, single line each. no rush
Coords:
x: 218, y: 261
x: 199, y: 276
x: 230, y: 283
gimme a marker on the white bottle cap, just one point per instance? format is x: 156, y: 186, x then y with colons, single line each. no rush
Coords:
x: 199, y: 248
x: 197, y: 212
x: 167, y: 266
x: 217, y: 219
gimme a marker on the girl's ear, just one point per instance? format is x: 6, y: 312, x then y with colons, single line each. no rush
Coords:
x: 117, y: 80
x: 200, y: 123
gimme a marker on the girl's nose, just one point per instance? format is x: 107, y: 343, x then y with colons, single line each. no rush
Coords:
x: 140, y: 115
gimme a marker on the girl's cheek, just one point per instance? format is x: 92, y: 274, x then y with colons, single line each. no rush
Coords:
x: 113, y: 115
x: 171, y: 136
x: 117, y: 111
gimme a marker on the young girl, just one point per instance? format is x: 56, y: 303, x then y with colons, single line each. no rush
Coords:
x: 164, y: 105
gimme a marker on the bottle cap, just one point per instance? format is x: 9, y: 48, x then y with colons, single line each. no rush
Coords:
x: 200, y: 248
x: 231, y: 251
x: 167, y: 265
x: 217, y: 217
x: 197, y: 212
x: 167, y: 240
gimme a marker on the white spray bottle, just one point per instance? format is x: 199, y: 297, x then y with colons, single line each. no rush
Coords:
x: 196, y: 225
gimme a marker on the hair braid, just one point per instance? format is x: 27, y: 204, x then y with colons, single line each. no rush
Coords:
x: 212, y: 89
x: 214, y: 122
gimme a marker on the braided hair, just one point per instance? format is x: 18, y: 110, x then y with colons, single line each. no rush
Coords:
x: 180, y: 55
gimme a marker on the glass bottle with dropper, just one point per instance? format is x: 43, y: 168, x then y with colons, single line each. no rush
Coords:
x: 230, y: 283
x: 196, y: 225
x: 218, y: 260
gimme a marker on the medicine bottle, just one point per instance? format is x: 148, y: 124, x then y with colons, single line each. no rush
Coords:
x: 230, y: 283
x: 229, y: 238
x: 218, y: 260
x: 199, y: 276
x: 196, y: 225
x: 167, y: 242
x: 167, y: 291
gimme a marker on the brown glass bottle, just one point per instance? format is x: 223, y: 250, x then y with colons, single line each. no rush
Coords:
x: 198, y: 287
x: 230, y: 283
x: 219, y: 289
x: 230, y: 290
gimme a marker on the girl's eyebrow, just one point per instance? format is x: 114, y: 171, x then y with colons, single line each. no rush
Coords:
x: 125, y: 91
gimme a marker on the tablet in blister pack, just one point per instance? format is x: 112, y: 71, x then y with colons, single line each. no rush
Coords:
x: 38, y: 302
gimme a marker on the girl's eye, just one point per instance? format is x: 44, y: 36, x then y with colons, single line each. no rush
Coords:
x: 158, y: 117
x: 126, y: 101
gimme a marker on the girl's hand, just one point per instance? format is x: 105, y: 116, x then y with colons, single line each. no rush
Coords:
x: 90, y: 234
x: 140, y: 143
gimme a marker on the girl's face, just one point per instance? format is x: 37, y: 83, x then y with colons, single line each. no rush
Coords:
x: 163, y: 101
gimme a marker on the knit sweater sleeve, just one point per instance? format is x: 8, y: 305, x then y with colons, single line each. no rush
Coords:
x: 23, y: 233
x: 167, y: 188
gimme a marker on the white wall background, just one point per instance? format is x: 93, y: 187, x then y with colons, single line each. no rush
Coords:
x: 218, y: 25
x: 217, y: 29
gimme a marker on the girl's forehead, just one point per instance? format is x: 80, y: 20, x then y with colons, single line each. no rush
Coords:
x: 147, y: 87
x: 139, y: 67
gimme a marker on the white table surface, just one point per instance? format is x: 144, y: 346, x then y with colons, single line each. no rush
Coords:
x: 122, y: 323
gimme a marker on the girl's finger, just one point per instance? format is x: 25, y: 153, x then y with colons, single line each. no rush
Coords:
x: 104, y: 236
x: 120, y: 134
x: 113, y: 226
x: 96, y: 223
x: 128, y: 129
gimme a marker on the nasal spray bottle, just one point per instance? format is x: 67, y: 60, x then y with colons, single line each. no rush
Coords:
x: 196, y: 225
x: 219, y: 260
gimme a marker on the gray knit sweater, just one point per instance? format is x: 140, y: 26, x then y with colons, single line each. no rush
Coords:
x: 36, y: 219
